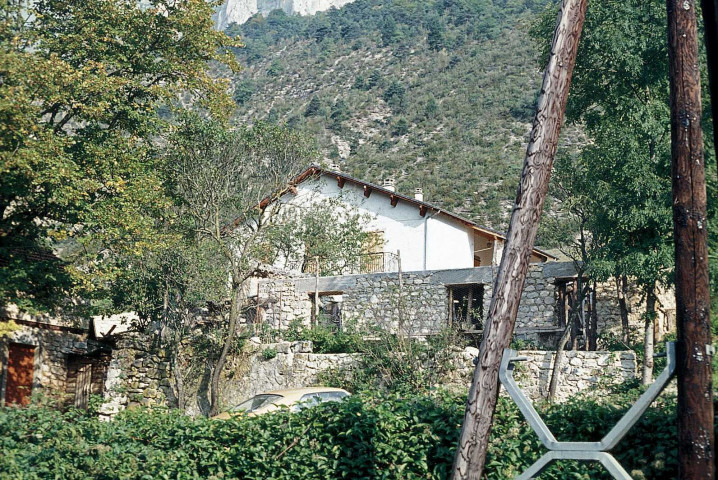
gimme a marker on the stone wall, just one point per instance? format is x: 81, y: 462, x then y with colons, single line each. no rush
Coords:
x: 424, y: 300
x: 53, y: 346
x: 139, y: 374
x: 281, y: 303
x: 580, y: 371
x: 296, y: 366
x: 293, y: 366
x: 380, y: 301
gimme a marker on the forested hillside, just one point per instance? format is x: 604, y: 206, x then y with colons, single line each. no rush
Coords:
x: 438, y: 94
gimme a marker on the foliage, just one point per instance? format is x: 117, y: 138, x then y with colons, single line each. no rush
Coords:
x: 458, y: 74
x: 229, y: 183
x: 84, y: 85
x: 621, y: 180
x: 269, y: 353
x: 364, y: 437
x: 8, y: 327
x: 325, y: 339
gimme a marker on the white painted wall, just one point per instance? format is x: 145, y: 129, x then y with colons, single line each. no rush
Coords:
x: 446, y: 243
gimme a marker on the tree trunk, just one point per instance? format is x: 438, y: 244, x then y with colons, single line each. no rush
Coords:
x: 234, y: 312
x: 710, y: 27
x: 649, y: 335
x: 576, y: 301
x: 593, y: 331
x: 556, y: 372
x: 622, y: 291
x: 696, y: 435
x: 508, y: 286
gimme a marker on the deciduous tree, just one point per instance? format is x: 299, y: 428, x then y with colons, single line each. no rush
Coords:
x: 85, y: 88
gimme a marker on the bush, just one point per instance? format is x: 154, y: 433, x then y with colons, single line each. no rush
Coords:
x: 386, y: 436
x: 269, y: 353
x: 324, y: 339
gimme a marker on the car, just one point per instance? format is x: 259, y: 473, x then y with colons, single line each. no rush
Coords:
x: 295, y: 399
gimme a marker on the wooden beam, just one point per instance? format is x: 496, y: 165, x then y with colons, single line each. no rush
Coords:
x: 340, y: 181
x: 394, y: 200
x: 422, y: 210
x: 367, y: 191
x: 696, y: 434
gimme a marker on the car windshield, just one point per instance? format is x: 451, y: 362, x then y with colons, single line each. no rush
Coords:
x: 311, y: 399
x: 258, y: 401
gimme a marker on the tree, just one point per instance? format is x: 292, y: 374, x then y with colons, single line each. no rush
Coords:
x: 340, y: 113
x: 326, y: 230
x: 470, y: 456
x: 435, y: 33
x: 314, y: 107
x: 620, y: 93
x: 394, y: 95
x: 389, y: 32
x: 228, y: 182
x: 84, y: 85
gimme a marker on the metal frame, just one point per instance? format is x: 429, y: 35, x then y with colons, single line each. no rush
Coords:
x: 582, y: 451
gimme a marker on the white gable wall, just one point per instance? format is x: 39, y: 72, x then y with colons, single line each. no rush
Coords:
x: 432, y: 242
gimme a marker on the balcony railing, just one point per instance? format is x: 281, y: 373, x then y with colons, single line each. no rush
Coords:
x: 376, y: 262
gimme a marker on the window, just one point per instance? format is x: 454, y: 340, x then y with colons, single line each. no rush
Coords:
x: 329, y: 313
x: 466, y: 306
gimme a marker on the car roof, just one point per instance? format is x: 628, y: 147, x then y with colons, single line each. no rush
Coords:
x: 302, y: 391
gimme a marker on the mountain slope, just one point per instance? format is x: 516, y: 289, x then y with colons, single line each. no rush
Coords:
x: 438, y: 94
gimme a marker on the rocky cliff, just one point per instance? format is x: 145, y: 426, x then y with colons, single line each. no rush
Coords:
x: 238, y: 11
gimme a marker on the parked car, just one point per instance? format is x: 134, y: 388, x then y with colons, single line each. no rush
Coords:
x: 295, y: 398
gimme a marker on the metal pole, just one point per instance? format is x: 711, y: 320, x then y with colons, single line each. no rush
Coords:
x: 696, y: 455
x: 401, y: 279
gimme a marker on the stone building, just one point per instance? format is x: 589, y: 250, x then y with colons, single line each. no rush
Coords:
x: 426, y: 301
x: 60, y: 358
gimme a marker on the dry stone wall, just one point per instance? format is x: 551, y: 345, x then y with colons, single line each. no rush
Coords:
x: 419, y: 301
x: 53, y: 346
x: 139, y: 374
x: 423, y: 300
x: 580, y: 371
x: 281, y: 304
x: 296, y: 366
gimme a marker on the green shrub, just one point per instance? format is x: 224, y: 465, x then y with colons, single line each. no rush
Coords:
x: 387, y: 436
x: 325, y: 339
x: 269, y: 353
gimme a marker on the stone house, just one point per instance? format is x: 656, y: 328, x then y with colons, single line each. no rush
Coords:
x: 60, y: 357
x: 423, y: 235
x: 448, y: 266
x: 430, y: 267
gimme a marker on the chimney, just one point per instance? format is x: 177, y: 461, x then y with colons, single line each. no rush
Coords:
x: 390, y: 184
x: 334, y: 167
x: 419, y: 194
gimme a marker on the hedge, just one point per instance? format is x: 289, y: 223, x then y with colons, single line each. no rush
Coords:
x: 364, y: 437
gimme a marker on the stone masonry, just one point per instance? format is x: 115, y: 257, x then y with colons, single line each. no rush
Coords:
x: 423, y: 300
x: 294, y: 365
x: 381, y: 301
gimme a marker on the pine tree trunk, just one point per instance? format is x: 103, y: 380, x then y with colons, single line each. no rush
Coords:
x: 696, y: 432
x: 474, y: 439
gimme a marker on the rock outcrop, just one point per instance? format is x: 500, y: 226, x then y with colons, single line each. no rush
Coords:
x: 238, y: 11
